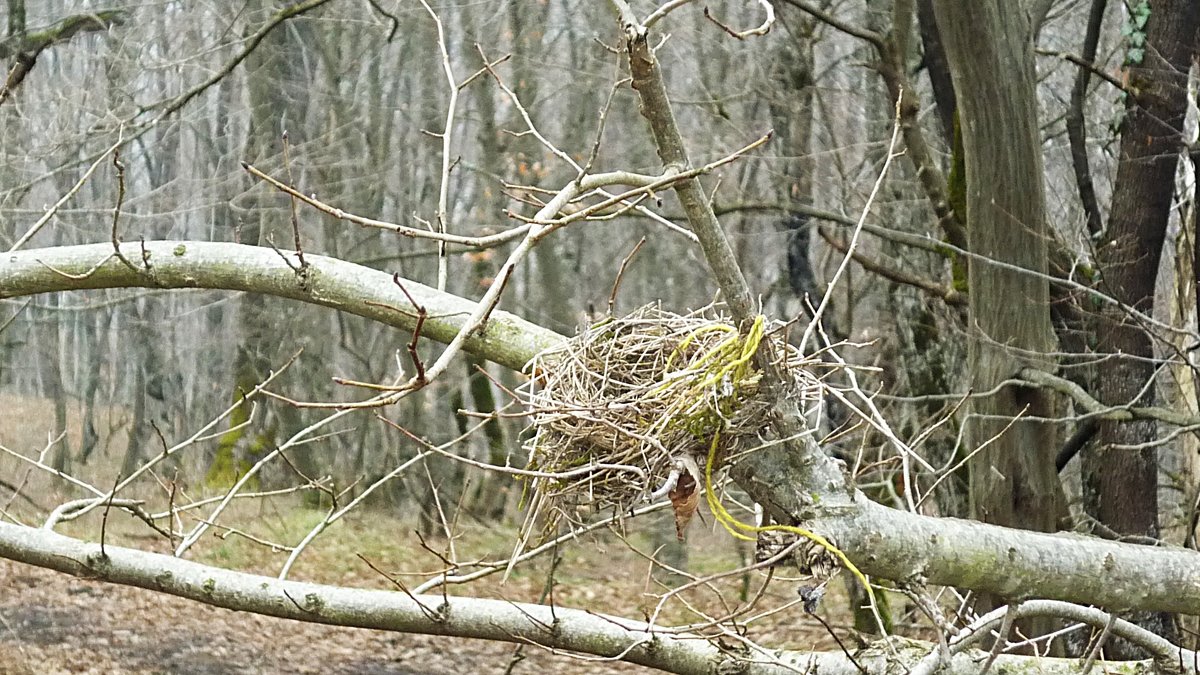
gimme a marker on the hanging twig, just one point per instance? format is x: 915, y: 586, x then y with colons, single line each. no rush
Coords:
x: 612, y: 297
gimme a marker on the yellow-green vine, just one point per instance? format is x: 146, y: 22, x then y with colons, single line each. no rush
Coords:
x: 740, y: 530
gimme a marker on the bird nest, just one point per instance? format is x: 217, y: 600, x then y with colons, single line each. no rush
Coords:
x: 628, y: 410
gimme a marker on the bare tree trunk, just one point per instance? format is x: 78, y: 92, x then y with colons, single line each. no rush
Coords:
x: 56, y: 390
x: 1013, y: 480
x: 149, y: 390
x: 1121, y: 485
x: 89, y: 437
x: 937, y: 68
x: 794, y: 91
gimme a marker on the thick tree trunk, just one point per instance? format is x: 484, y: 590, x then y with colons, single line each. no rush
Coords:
x: 1012, y: 475
x: 1013, y: 479
x: 1121, y: 485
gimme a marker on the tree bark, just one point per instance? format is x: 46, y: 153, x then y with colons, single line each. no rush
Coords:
x: 938, y: 68
x: 1012, y: 476
x: 989, y: 44
x: 1076, y: 127
x: 1120, y: 484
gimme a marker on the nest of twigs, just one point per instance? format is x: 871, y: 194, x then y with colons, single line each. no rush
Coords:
x: 631, y: 406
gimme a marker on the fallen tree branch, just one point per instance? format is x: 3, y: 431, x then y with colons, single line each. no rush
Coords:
x: 553, y: 627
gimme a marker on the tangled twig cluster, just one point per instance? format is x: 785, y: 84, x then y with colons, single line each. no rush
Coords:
x: 631, y: 406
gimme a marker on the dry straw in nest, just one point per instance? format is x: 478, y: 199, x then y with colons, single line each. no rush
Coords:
x: 631, y: 405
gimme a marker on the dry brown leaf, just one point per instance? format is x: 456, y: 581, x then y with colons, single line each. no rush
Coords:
x: 685, y: 499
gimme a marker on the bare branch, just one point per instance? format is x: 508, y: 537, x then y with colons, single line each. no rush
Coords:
x: 833, y: 22
x: 891, y: 273
x: 555, y: 628
x: 415, y: 233
x: 341, y: 285
x: 761, y: 29
x: 1096, y: 409
x: 37, y: 226
x: 447, y: 136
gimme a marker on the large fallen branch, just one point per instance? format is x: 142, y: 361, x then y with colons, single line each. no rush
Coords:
x: 552, y: 627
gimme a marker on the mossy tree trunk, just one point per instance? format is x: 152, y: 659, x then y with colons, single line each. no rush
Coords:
x: 989, y: 45
x: 1013, y: 480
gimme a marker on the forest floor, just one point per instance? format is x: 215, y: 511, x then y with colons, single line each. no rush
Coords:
x: 51, y: 623
x: 54, y: 623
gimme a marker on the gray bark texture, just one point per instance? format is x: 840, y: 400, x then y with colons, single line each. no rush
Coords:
x: 1121, y: 484
x: 506, y: 339
x: 990, y: 49
x: 452, y: 616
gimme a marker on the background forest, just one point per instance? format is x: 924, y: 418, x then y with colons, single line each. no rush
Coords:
x: 1019, y: 306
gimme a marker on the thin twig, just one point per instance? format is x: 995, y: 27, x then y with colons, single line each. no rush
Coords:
x: 1006, y: 624
x: 416, y: 333
x: 415, y: 233
x: 595, y: 151
x: 612, y: 297
x: 443, y: 215
x: 287, y: 164
x: 761, y: 29
x: 1095, y: 651
x: 663, y: 10
x: 104, y: 518
x: 37, y: 226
